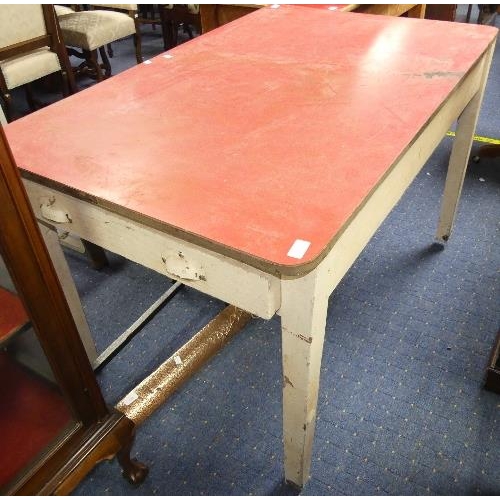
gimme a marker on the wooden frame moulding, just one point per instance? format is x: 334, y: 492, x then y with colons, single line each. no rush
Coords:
x: 97, y: 432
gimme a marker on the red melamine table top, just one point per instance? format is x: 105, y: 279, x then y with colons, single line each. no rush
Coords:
x: 269, y: 129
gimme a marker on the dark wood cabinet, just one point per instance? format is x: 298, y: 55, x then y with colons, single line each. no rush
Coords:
x: 441, y: 12
x: 84, y: 430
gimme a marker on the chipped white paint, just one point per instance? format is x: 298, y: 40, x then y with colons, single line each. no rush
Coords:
x: 304, y: 304
x: 222, y: 277
x: 52, y: 212
x: 51, y: 239
x: 304, y: 300
x: 460, y: 152
x: 71, y: 241
x: 183, y: 269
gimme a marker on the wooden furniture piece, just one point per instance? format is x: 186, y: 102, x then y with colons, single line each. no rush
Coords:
x: 30, y: 48
x: 410, y: 10
x: 487, y: 151
x: 88, y: 32
x: 173, y: 15
x: 93, y: 432
x: 272, y: 201
x: 151, y: 14
x: 215, y: 15
x: 441, y: 12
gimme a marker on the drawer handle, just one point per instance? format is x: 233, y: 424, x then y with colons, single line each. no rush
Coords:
x: 178, y: 267
x: 52, y: 212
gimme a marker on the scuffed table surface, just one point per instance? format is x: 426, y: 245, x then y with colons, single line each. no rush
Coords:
x: 267, y: 130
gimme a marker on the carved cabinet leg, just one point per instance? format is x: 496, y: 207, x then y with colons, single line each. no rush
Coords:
x: 134, y: 471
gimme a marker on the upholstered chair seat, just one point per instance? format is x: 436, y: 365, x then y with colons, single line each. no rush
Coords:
x: 92, y: 29
x: 19, y: 70
x: 30, y: 48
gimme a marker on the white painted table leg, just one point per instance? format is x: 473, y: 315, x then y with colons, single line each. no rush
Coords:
x: 303, y: 319
x: 459, y: 158
x: 51, y: 239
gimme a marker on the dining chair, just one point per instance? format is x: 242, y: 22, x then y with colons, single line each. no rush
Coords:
x: 131, y: 9
x: 30, y: 48
x: 88, y: 32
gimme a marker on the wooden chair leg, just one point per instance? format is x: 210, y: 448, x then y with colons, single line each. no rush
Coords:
x: 92, y: 62
x: 138, y: 42
x: 105, y: 61
x: 64, y: 84
x: 110, y: 50
x: 28, y: 91
x: 189, y: 30
x: 469, y: 11
x: 164, y: 26
x: 171, y: 29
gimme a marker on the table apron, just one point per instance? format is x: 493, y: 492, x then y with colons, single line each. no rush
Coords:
x: 216, y: 275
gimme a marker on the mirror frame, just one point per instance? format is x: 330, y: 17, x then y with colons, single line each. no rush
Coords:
x: 99, y: 432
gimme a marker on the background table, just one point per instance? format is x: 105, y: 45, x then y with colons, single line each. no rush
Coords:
x: 215, y: 15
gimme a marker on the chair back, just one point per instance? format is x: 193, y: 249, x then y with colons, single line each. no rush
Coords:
x: 20, y: 22
x: 30, y: 31
x: 28, y: 27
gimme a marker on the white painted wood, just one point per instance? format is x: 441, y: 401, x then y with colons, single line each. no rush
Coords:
x: 61, y: 266
x: 460, y: 155
x: 304, y: 301
x: 222, y: 277
x: 71, y: 241
x: 304, y: 304
x: 363, y: 225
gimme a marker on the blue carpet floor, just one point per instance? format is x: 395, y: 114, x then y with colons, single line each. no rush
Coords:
x: 402, y: 409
